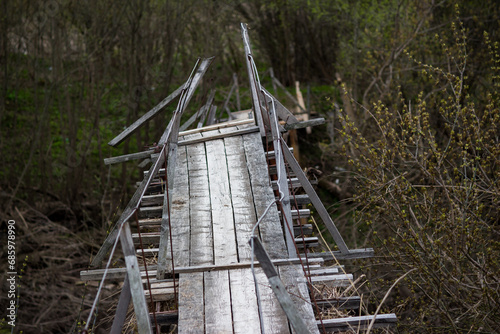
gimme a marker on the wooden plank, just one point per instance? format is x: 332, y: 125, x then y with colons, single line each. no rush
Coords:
x: 128, y: 157
x: 219, y: 136
x: 180, y: 221
x: 152, y: 200
x: 325, y: 216
x: 253, y: 80
x: 134, y: 276
x: 164, y: 251
x: 201, y: 111
x: 273, y: 317
x: 293, y: 313
x: 146, y: 117
x: 188, y: 93
x: 244, y: 302
x: 241, y: 265
x: 113, y: 273
x: 201, y: 244
x: 220, y: 198
x: 340, y: 303
x: 290, y: 96
x: 270, y: 227
x: 283, y: 113
x: 218, y: 318
x: 211, y: 115
x: 305, y: 124
x: 296, y: 285
x: 122, y: 308
x: 360, y: 322
x: 333, y: 280
x: 353, y: 254
x: 119, y: 273
x: 241, y: 195
x: 191, y: 304
x: 217, y: 126
x: 282, y: 183
x: 324, y: 271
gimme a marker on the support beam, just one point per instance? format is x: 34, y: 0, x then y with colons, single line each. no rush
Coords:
x: 306, y: 185
x: 278, y: 288
x: 134, y: 276
x: 146, y: 117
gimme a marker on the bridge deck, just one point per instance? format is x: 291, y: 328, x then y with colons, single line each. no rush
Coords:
x: 221, y: 187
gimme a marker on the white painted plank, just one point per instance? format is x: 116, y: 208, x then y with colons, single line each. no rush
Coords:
x: 244, y: 302
x: 220, y: 198
x: 218, y: 317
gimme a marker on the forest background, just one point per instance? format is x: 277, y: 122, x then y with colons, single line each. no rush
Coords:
x: 409, y: 154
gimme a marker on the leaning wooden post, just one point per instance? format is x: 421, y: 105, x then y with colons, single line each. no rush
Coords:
x: 278, y: 287
x: 327, y: 220
x: 135, y: 280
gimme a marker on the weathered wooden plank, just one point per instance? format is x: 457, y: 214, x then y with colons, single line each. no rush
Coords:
x: 128, y: 157
x: 220, y: 198
x: 164, y: 253
x: 360, y: 322
x: 307, y: 229
x: 152, y: 200
x: 180, y: 221
x: 217, y: 126
x: 295, y: 283
x: 270, y: 227
x: 282, y: 183
x: 191, y: 304
x: 333, y: 280
x: 218, y: 318
x: 211, y: 115
x: 218, y: 136
x: 146, y: 117
x: 242, y: 265
x: 305, y: 124
x: 290, y: 96
x: 353, y: 254
x: 283, y: 113
x: 273, y: 317
x: 241, y: 195
x: 134, y: 276
x: 188, y: 92
x: 340, y: 303
x: 199, y: 112
x: 293, y: 313
x: 201, y: 244
x: 325, y: 216
x: 324, y: 271
x: 121, y: 308
x: 113, y: 273
x: 256, y: 95
x: 244, y: 302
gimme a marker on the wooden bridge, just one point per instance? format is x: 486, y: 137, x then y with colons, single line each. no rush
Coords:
x: 217, y: 227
